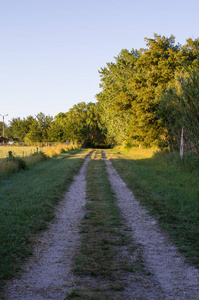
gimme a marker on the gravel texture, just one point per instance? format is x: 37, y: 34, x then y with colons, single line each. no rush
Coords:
x: 176, y: 278
x: 48, y: 274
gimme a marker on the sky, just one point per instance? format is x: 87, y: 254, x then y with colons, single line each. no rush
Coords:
x: 51, y: 50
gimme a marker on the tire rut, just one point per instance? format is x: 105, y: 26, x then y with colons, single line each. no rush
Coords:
x: 48, y: 274
x: 176, y: 278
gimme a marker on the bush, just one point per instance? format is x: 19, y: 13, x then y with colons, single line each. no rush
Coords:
x: 21, y: 164
x: 35, y: 157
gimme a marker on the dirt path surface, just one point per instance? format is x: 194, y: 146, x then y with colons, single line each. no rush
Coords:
x: 177, y: 279
x: 49, y: 274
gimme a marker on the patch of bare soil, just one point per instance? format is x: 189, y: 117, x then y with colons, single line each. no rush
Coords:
x: 48, y: 274
x: 170, y: 274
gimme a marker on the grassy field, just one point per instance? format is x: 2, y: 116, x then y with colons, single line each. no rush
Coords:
x: 169, y: 187
x: 27, y: 201
x: 17, y: 151
x: 16, y: 158
x: 28, y: 150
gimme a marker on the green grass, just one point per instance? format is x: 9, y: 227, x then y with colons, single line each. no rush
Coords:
x: 27, y: 201
x: 14, y: 164
x: 100, y: 264
x: 100, y: 226
x: 169, y: 188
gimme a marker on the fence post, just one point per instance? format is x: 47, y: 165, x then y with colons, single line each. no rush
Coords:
x: 182, y: 143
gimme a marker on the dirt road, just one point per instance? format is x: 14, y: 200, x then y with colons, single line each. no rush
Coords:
x: 49, y: 273
x: 177, y: 279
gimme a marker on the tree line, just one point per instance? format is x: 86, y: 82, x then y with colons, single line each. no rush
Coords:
x: 147, y: 96
x: 80, y: 124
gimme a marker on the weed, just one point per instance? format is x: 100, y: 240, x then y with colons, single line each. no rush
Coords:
x: 72, y: 294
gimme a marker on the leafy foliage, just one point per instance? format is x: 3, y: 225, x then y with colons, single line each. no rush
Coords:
x: 146, y: 97
x: 132, y: 89
x: 179, y: 107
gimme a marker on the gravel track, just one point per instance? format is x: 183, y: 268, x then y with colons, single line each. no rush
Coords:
x: 49, y: 274
x: 177, y: 279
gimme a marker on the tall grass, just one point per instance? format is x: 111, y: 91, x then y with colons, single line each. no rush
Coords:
x: 61, y: 148
x: 13, y: 164
x: 25, y: 151
x: 136, y: 152
x: 17, y: 151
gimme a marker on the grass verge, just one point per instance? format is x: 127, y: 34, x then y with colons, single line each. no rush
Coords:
x: 27, y: 202
x: 169, y: 188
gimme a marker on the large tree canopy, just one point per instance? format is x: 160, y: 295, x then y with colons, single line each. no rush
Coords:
x: 132, y: 86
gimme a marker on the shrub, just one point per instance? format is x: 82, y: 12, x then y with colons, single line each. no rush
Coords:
x: 21, y: 164
x: 35, y: 157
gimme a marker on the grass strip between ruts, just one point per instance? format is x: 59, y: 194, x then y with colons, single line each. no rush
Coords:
x: 27, y: 202
x: 99, y: 265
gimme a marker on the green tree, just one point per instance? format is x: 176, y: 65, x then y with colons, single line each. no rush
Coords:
x: 179, y: 107
x: 19, y: 128
x: 38, y: 131
x: 115, y: 99
x: 155, y: 68
x: 57, y: 129
x: 82, y: 125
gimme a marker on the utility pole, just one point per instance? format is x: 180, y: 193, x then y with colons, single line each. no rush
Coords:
x: 3, y: 125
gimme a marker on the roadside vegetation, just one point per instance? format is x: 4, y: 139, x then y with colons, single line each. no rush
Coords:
x: 14, y: 162
x: 168, y: 187
x: 27, y: 202
x: 25, y: 151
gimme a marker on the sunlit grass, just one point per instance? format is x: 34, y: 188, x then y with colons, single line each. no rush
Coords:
x: 56, y: 150
x: 17, y: 151
x: 28, y: 150
x: 136, y: 152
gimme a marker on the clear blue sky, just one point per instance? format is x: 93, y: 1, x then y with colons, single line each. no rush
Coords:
x: 51, y: 50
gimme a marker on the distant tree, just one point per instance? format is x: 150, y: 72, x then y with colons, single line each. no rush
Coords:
x: 38, y: 131
x: 56, y: 131
x: 80, y: 124
x: 19, y: 128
